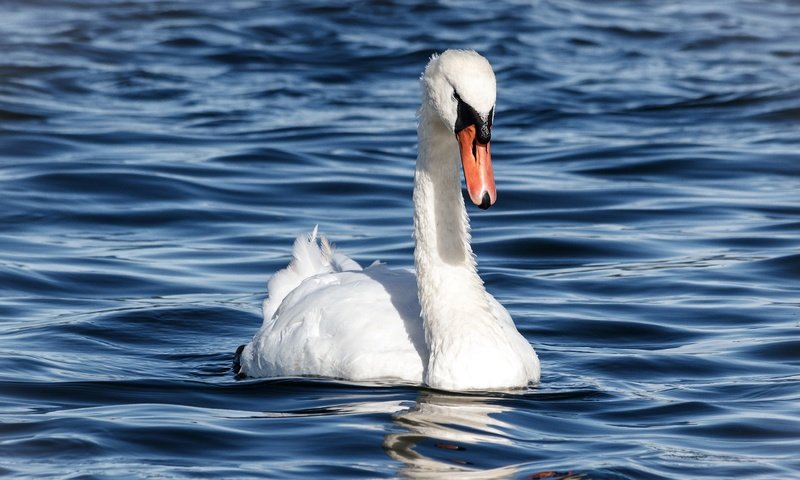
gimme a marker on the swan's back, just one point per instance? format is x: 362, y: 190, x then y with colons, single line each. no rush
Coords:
x: 327, y: 317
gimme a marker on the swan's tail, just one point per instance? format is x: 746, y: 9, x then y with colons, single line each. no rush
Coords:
x: 312, y: 255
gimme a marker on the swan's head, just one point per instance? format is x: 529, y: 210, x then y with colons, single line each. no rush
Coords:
x: 460, y: 87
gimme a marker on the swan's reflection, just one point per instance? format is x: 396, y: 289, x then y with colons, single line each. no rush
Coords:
x: 448, y: 426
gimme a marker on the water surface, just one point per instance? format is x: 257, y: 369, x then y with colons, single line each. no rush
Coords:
x: 158, y: 158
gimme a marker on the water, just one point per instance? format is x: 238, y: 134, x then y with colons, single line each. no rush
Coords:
x: 159, y: 157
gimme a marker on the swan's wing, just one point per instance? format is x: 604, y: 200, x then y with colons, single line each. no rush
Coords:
x: 359, y: 325
x: 338, y: 260
x: 311, y: 255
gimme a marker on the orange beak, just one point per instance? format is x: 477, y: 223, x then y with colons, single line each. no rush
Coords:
x: 476, y: 158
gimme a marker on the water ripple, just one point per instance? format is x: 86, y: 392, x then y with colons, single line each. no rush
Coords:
x: 157, y: 159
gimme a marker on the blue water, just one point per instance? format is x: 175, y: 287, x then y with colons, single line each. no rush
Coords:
x: 157, y: 159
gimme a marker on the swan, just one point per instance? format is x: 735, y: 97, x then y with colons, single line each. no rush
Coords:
x: 437, y: 326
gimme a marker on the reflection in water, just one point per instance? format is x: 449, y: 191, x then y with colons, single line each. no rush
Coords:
x: 442, y: 429
x: 451, y: 433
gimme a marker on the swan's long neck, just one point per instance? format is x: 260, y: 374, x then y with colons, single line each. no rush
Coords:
x: 451, y: 293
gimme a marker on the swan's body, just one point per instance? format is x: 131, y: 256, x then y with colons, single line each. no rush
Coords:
x: 325, y: 316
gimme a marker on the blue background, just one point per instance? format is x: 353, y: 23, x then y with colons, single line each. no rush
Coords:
x: 158, y: 158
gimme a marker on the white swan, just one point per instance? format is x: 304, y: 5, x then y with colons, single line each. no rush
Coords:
x: 326, y: 316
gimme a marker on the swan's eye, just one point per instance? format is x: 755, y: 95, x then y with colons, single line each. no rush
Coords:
x: 456, y: 96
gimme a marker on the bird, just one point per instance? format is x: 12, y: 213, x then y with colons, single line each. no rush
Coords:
x: 434, y: 326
